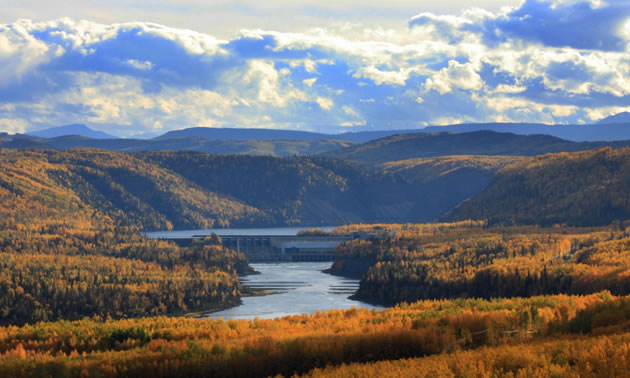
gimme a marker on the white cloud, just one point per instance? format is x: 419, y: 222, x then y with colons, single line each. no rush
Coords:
x: 324, y: 103
x: 456, y: 75
x: 309, y: 82
x: 20, y: 52
x: 380, y: 77
x: 13, y: 126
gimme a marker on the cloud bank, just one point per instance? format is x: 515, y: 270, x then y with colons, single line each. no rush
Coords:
x: 544, y: 61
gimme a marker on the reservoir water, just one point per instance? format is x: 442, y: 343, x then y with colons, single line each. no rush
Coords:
x: 300, y: 287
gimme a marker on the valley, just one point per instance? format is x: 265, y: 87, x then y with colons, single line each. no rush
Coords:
x: 486, y: 243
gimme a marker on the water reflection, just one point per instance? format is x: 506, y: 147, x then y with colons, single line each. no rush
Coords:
x: 300, y: 287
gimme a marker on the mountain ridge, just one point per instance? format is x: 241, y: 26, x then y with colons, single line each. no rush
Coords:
x: 483, y: 142
x: 73, y: 129
x: 619, y: 118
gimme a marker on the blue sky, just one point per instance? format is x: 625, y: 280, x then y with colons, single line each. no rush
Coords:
x: 130, y: 67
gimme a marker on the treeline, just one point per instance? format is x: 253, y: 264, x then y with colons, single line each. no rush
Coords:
x: 580, y: 188
x: 162, y: 346
x: 430, y: 262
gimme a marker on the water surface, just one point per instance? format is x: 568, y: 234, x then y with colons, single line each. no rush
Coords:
x: 301, y: 287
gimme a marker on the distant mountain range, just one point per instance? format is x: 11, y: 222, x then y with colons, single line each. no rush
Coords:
x: 613, y: 128
x: 75, y: 129
x: 608, y: 130
x: 391, y: 148
x: 616, y: 119
x: 378, y: 146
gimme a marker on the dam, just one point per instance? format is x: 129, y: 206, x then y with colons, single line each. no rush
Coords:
x: 285, y: 248
x: 269, y: 245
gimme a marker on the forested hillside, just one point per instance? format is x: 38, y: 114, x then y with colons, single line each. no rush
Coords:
x: 276, y: 147
x: 187, y: 190
x: 419, y: 145
x: 67, y: 249
x: 441, y: 183
x: 299, y: 190
x: 581, y: 188
x: 471, y: 260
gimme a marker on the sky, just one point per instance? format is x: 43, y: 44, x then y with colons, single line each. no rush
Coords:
x: 146, y: 67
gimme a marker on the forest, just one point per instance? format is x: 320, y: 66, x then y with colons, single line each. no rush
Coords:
x: 580, y: 188
x: 474, y: 260
x: 162, y: 190
x: 550, y: 335
x: 63, y: 257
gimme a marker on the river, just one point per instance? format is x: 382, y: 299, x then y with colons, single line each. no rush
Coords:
x: 301, y: 288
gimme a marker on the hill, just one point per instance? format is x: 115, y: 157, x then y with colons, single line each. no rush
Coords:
x: 124, y: 188
x: 70, y: 247
x: 75, y: 129
x: 580, y: 188
x: 200, y: 144
x: 623, y: 117
x: 606, y: 131
x: 419, y: 145
x: 187, y: 190
x: 297, y: 190
x: 443, y: 182
x: 243, y: 134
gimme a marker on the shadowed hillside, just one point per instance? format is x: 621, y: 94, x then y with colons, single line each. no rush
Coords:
x: 297, y: 190
x: 581, y: 188
x: 409, y: 146
x: 443, y: 182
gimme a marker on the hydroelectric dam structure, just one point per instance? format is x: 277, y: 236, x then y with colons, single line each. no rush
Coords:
x: 268, y: 248
x: 285, y: 248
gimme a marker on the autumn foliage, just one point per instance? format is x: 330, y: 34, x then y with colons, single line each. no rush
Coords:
x: 470, y: 259
x: 63, y: 256
x: 455, y: 332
